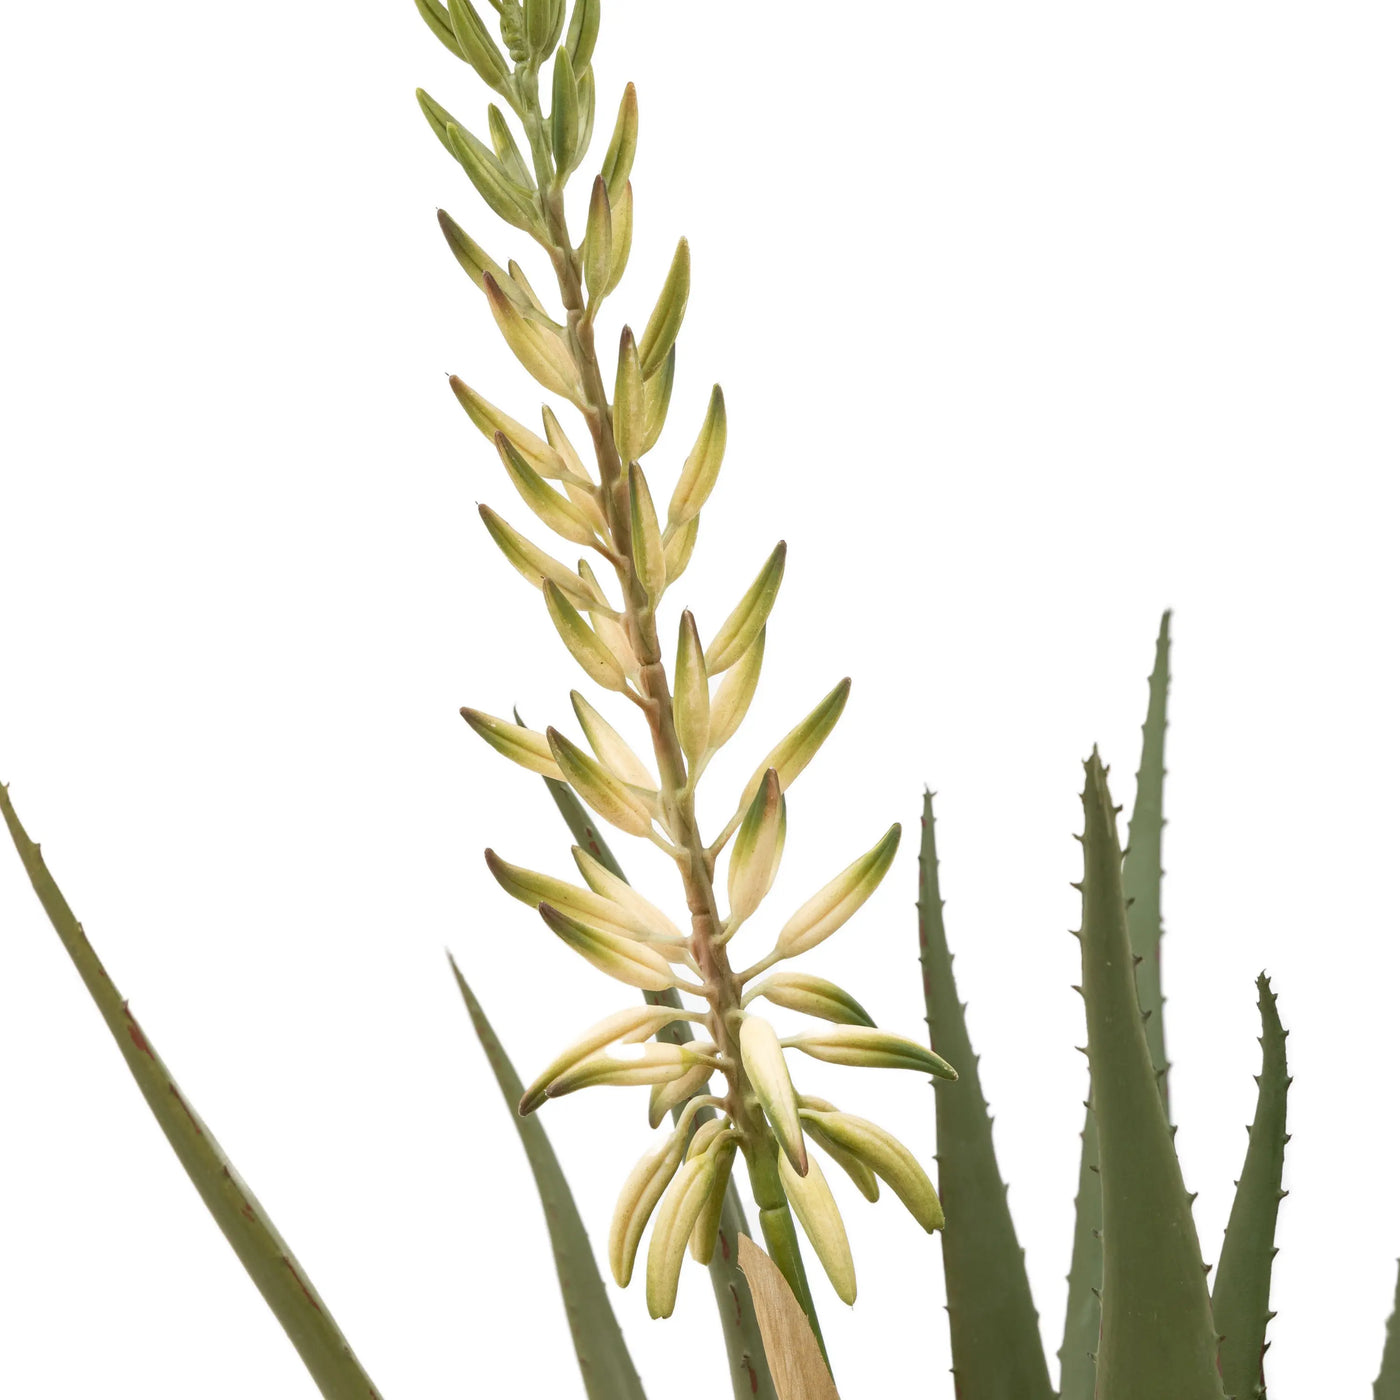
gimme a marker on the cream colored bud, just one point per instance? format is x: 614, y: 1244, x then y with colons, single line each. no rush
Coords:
x: 868, y: 1047
x: 503, y: 142
x: 865, y: 1180
x: 820, y: 1218
x: 835, y: 902
x: 520, y: 745
x: 797, y: 749
x: 472, y: 257
x: 628, y: 407
x: 534, y: 565
x: 543, y: 351
x: 559, y: 444
x: 617, y: 163
x: 665, y: 1097
x: 503, y: 196
x: 597, y: 241
x: 678, y: 546
x: 636, y: 1201
x: 758, y: 850
x: 612, y: 799
x: 612, y: 749
x: 556, y: 511
x: 675, y: 1218
x: 701, y: 469
x: 490, y: 420
x: 476, y: 45
x: 630, y: 962
x: 762, y: 1055
x: 623, y: 1066
x: 627, y: 1027
x: 691, y: 702
x: 736, y: 691
x: 883, y: 1153
x: 645, y: 918
x: 598, y: 663
x: 812, y: 996
x: 648, y: 553
x: 748, y: 619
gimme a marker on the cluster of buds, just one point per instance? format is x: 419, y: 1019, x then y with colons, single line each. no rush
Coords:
x: 690, y: 712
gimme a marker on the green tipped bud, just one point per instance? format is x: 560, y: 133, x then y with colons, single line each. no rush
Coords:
x: 705, y: 1235
x: 656, y: 402
x: 617, y: 164
x: 675, y: 1219
x: 610, y: 797
x: 758, y: 850
x: 736, y: 691
x: 533, y: 888
x: 476, y: 45
x: 507, y: 152
x: 794, y: 752
x: 556, y: 511
x: 437, y: 19
x: 490, y: 420
x: 762, y: 1054
x: 665, y: 323
x: 563, y: 113
x: 636, y: 1201
x: 680, y: 545
x: 665, y: 1097
x: 646, y: 920
x: 535, y: 565
x: 473, y: 259
x: 637, y: 1023
x: 884, y: 1154
x: 587, y: 108
x: 628, y: 403
x: 812, y: 996
x: 583, y: 33
x: 747, y: 620
x: 512, y: 202
x: 439, y: 118
x: 630, y: 962
x: 691, y: 702
x: 520, y: 745
x: 621, y: 236
x: 817, y: 1212
x: 582, y: 641
x: 623, y: 1067
x: 598, y: 242
x: 610, y: 629
x: 647, y: 552
x: 868, y: 1047
x: 701, y: 469
x: 612, y: 749
x: 559, y: 443
x: 834, y: 903
x: 865, y: 1180
x: 540, y: 349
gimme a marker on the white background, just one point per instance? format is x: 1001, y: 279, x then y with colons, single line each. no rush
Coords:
x: 1033, y: 319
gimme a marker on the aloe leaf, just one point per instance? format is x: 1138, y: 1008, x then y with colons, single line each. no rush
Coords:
x: 1241, y: 1296
x: 1157, y: 1340
x: 1387, y: 1385
x: 1142, y: 890
x: 997, y: 1351
x: 271, y: 1265
x: 1142, y: 860
x: 743, y: 1341
x: 603, y: 1358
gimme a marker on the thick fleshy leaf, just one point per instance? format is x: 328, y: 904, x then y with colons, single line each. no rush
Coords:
x: 608, y: 1372
x: 1157, y: 1340
x: 277, y: 1274
x: 1387, y: 1385
x: 1240, y: 1298
x: 992, y: 1320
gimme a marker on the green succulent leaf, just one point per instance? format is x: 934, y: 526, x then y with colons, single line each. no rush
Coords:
x: 275, y: 1271
x: 606, y: 1364
x: 1387, y: 1385
x: 992, y: 1321
x: 1157, y: 1339
x: 1240, y: 1299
